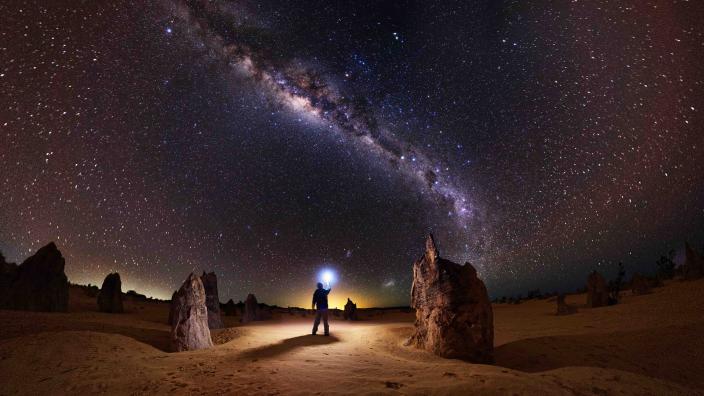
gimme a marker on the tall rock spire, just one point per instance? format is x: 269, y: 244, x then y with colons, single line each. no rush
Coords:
x: 431, y: 250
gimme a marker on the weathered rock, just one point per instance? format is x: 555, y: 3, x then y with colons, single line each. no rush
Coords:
x: 212, y: 300
x: 252, y: 311
x: 110, y: 297
x: 597, y: 291
x: 693, y: 266
x: 350, y: 312
x: 640, y: 284
x: 189, y: 328
x: 563, y: 308
x: 454, y: 317
x: 38, y: 284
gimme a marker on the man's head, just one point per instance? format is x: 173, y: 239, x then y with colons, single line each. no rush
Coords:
x: 320, y: 285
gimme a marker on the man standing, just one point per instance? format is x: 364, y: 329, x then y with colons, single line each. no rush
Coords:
x: 320, y: 298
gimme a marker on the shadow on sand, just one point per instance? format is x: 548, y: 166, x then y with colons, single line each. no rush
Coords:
x: 653, y: 352
x: 159, y: 339
x: 287, y: 345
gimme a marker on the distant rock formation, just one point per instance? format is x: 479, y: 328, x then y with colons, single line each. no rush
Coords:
x: 110, y: 296
x: 563, y: 308
x: 597, y: 291
x: 212, y: 300
x: 640, y: 284
x: 454, y: 317
x: 136, y: 296
x: 229, y: 308
x: 252, y: 311
x: 189, y: 317
x: 350, y: 312
x: 693, y: 266
x: 38, y: 284
x: 89, y: 290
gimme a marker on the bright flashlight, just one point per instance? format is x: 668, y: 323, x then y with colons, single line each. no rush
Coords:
x: 327, y: 277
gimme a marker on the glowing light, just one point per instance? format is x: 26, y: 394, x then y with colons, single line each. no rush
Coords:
x: 327, y: 277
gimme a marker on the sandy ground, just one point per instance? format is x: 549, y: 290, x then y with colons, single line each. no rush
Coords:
x: 648, y: 345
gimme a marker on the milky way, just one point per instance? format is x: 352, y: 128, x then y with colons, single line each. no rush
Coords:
x: 306, y: 91
x: 266, y: 140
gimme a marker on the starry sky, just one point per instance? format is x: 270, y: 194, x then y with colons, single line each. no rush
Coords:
x: 265, y: 140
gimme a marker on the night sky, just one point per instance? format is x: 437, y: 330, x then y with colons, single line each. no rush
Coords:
x: 266, y: 140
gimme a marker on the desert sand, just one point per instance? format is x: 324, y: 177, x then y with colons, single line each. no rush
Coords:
x: 647, y: 345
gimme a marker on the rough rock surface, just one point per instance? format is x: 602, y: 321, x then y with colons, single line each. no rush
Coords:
x: 597, y: 291
x: 693, y: 266
x: 38, y: 284
x: 189, y: 328
x: 454, y: 317
x: 640, y: 284
x: 212, y: 300
x: 563, y: 308
x: 350, y: 312
x: 110, y: 296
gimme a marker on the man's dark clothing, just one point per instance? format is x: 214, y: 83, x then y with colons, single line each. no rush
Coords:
x: 320, y: 298
x: 320, y: 301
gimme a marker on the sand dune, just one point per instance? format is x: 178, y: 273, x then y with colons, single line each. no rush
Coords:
x: 650, y: 344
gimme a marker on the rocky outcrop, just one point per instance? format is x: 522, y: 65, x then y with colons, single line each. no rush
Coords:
x: 38, y: 284
x: 640, y: 284
x: 189, y: 317
x: 597, y: 291
x: 212, y: 300
x: 693, y: 266
x: 252, y: 311
x: 563, y: 308
x: 454, y: 317
x: 350, y: 312
x: 110, y: 297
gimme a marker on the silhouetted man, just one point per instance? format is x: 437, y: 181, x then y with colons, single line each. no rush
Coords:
x: 320, y: 298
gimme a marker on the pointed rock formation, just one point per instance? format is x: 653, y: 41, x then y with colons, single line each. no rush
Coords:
x: 454, y: 317
x: 640, y: 284
x: 189, y: 317
x: 110, y: 297
x: 251, y: 309
x: 563, y: 308
x: 212, y: 300
x: 693, y: 266
x: 38, y: 284
x: 597, y: 291
x: 350, y: 312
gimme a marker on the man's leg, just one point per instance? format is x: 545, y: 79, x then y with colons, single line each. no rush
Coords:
x: 317, y: 321
x: 325, y: 322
